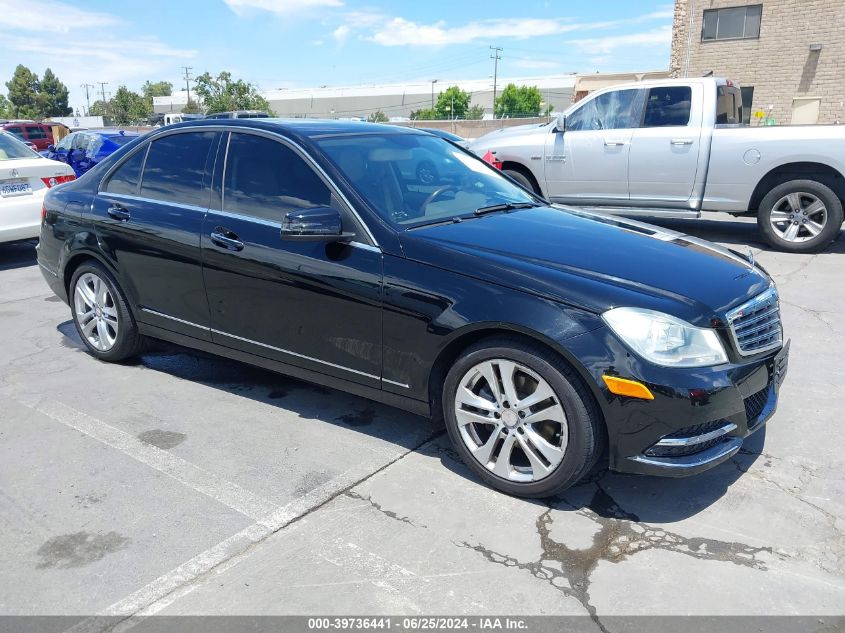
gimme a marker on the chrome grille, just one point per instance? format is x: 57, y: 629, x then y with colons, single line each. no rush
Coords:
x: 756, y: 325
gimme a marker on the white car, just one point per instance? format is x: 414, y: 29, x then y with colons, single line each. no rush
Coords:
x: 25, y: 177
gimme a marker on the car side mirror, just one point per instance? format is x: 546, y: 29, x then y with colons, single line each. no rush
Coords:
x: 560, y: 126
x: 318, y: 224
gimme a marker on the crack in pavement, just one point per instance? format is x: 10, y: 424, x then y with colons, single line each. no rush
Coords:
x: 390, y: 513
x: 569, y: 570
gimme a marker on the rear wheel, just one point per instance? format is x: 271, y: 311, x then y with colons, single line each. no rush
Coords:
x: 101, y: 314
x: 520, y: 418
x: 800, y: 216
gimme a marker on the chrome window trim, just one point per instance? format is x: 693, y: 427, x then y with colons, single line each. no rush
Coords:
x: 272, y: 347
x: 178, y: 205
x: 398, y: 384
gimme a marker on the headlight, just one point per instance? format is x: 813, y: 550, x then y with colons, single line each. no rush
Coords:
x: 664, y: 339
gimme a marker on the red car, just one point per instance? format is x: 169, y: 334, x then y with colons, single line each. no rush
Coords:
x: 39, y: 134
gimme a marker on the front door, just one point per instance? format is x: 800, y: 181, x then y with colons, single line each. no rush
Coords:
x: 148, y: 215
x: 315, y: 305
x: 665, y: 148
x: 588, y: 162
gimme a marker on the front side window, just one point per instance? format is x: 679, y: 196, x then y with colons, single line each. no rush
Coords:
x: 417, y: 179
x: 266, y: 179
x: 732, y: 23
x: 668, y: 106
x: 614, y: 110
x: 125, y: 178
x: 175, y: 168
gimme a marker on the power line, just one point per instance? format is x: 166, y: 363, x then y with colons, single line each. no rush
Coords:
x: 495, y: 57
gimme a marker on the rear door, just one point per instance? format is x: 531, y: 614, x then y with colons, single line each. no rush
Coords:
x: 148, y: 216
x: 665, y: 148
x: 588, y: 162
x: 316, y: 305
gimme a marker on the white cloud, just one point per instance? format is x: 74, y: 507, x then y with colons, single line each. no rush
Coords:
x: 607, y: 45
x: 280, y: 7
x: 341, y: 33
x: 530, y: 62
x: 50, y: 16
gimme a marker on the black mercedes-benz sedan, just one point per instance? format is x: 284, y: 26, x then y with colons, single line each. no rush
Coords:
x: 542, y: 335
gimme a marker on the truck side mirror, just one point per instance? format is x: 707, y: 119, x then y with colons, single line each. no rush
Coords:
x: 560, y: 126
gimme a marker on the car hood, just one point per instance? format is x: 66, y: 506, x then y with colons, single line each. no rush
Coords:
x: 592, y: 261
x: 496, y: 137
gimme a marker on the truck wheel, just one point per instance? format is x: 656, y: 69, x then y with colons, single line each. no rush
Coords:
x: 800, y: 216
x: 522, y: 179
x: 520, y: 418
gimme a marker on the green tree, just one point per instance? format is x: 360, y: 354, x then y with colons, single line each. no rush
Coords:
x: 152, y: 89
x: 423, y: 114
x: 23, y: 93
x: 475, y: 112
x: 5, y: 108
x: 128, y: 107
x: 52, y: 96
x: 518, y: 102
x: 378, y: 117
x: 451, y: 103
x: 192, y: 107
x: 224, y: 94
x: 99, y: 108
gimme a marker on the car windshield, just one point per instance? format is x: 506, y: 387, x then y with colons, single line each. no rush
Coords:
x: 12, y: 148
x: 415, y: 179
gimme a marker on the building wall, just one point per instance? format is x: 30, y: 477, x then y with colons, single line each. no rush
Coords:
x: 779, y: 64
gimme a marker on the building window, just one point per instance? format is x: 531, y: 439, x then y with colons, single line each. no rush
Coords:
x: 733, y: 23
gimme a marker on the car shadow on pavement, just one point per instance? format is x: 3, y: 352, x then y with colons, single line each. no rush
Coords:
x: 307, y: 400
x: 742, y: 234
x: 17, y: 254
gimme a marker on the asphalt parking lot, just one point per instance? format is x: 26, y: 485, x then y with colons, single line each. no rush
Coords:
x: 188, y: 484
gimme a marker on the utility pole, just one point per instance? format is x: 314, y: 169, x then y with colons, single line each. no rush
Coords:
x: 433, y: 81
x: 87, y: 98
x: 103, y: 85
x: 188, y: 70
x: 495, y: 57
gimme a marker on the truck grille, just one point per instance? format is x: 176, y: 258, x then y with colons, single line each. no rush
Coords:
x: 756, y: 325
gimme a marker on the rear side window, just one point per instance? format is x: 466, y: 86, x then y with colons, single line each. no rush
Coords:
x: 125, y: 178
x: 266, y: 179
x: 668, y: 106
x: 175, y: 168
x: 35, y: 132
x: 614, y: 110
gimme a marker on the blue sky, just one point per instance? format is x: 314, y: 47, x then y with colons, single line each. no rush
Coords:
x: 302, y: 43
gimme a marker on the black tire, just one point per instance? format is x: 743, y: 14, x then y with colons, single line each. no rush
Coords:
x: 833, y: 220
x: 585, y: 436
x: 127, y: 341
x: 522, y: 179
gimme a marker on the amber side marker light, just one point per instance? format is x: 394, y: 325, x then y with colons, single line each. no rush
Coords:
x: 630, y: 388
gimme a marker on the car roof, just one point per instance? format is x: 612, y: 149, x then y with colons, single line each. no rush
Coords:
x: 308, y: 128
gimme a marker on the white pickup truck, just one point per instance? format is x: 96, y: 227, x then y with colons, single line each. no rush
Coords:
x: 672, y: 148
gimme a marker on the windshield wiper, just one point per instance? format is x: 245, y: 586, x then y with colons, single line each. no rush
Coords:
x: 505, y: 206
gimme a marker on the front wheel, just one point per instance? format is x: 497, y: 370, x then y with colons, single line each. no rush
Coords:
x: 520, y: 418
x: 800, y: 216
x: 522, y: 180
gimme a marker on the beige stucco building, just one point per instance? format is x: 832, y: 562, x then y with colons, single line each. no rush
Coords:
x: 788, y: 55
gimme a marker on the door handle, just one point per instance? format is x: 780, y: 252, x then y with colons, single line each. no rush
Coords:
x: 681, y: 141
x: 613, y: 143
x: 226, y: 239
x: 118, y: 212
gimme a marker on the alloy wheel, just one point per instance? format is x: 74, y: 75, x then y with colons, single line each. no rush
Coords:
x: 95, y: 311
x: 511, y: 420
x: 798, y: 217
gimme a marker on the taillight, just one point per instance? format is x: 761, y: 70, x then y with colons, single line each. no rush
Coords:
x: 52, y: 181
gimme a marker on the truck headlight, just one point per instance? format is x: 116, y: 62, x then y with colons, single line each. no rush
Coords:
x: 664, y: 339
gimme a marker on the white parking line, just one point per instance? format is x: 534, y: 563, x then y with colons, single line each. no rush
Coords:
x: 199, y: 479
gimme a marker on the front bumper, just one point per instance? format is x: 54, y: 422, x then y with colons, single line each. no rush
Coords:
x: 698, y: 418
